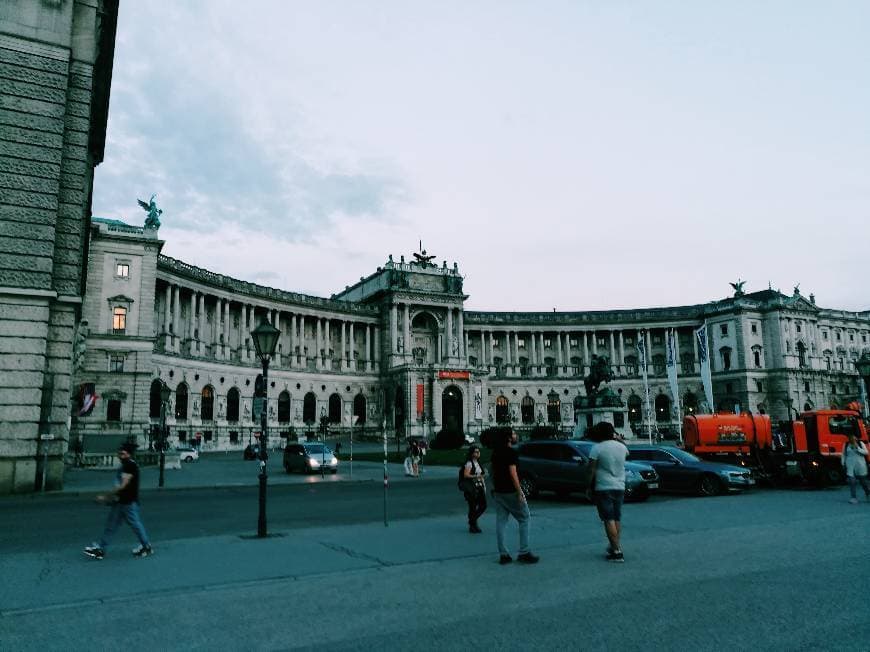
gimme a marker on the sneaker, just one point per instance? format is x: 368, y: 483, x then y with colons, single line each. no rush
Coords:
x: 616, y: 557
x: 142, y: 551
x: 94, y: 551
x: 474, y: 529
x: 528, y: 558
x: 504, y: 559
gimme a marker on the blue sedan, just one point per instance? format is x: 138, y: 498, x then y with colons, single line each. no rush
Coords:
x: 682, y: 472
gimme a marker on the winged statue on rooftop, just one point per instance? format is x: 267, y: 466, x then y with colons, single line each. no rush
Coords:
x: 422, y: 258
x: 738, y: 288
x: 154, y: 213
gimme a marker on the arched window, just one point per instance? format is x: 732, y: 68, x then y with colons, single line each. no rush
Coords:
x: 233, y: 405
x: 335, y: 409
x: 502, y: 410
x: 309, y: 408
x: 359, y: 409
x: 181, y: 402
x: 119, y: 320
x: 284, y: 407
x: 635, y: 409
x: 207, y: 410
x: 663, y: 408
x: 690, y: 403
x: 154, y: 399
x: 756, y: 356
x: 802, y: 354
x: 554, y: 408
x: 527, y: 410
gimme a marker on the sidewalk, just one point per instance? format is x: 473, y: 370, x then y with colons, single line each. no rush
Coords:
x: 230, y: 470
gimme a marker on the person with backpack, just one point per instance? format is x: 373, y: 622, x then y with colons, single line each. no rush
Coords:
x: 472, y: 484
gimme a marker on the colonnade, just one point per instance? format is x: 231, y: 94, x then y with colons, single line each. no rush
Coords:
x: 219, y: 328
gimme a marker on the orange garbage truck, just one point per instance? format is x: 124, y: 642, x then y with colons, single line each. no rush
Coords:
x: 807, y: 450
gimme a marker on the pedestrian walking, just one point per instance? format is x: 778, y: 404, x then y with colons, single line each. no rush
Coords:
x: 412, y: 461
x: 474, y: 488
x: 124, y: 504
x: 509, y: 499
x: 607, y: 474
x: 855, y: 462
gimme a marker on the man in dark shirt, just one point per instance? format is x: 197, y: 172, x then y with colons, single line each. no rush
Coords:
x: 509, y: 499
x: 124, y: 499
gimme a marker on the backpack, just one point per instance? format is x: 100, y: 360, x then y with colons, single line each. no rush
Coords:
x: 465, y: 485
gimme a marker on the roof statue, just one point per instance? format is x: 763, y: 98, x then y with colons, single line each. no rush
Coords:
x: 422, y: 258
x: 154, y: 213
x: 738, y: 287
x: 797, y: 289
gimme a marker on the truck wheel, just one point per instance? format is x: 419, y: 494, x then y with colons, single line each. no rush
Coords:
x: 709, y: 485
x: 529, y: 487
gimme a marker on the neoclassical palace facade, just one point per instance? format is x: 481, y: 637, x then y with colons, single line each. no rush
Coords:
x: 398, y: 352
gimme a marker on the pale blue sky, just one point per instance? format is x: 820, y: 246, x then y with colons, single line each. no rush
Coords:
x: 577, y: 155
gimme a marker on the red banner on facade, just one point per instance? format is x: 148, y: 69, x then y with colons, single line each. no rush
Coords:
x: 419, y: 399
x: 455, y: 375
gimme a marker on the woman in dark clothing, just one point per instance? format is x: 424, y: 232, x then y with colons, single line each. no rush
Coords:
x: 475, y: 488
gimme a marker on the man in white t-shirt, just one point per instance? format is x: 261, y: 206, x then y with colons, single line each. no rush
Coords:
x: 607, y: 460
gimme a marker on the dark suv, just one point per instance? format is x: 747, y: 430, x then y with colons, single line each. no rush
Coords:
x: 560, y: 466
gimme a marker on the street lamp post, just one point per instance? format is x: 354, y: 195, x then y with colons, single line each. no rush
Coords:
x: 165, y: 394
x: 265, y: 337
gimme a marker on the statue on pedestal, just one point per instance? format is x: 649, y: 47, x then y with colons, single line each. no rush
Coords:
x: 599, y: 372
x: 154, y: 213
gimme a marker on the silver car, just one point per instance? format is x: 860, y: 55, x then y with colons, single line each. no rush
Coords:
x: 306, y: 458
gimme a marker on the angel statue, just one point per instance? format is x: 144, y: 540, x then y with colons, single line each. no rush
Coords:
x: 738, y: 288
x: 152, y: 221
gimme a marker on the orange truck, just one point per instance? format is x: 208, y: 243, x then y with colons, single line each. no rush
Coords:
x: 807, y: 450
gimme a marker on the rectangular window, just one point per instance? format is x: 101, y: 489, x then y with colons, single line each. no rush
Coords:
x: 839, y: 336
x: 116, y: 363
x: 629, y: 339
x: 234, y: 437
x: 797, y: 327
x: 122, y: 270
x: 496, y: 344
x: 824, y: 335
x: 575, y: 343
x: 656, y: 339
x: 864, y: 338
x: 851, y: 337
x: 806, y: 386
x: 759, y: 386
x: 119, y: 321
x: 833, y: 388
x: 599, y: 341
x: 113, y: 410
x: 548, y: 343
x: 724, y: 329
x: 754, y: 328
x: 521, y: 343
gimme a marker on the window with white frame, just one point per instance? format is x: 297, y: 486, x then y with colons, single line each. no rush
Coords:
x: 122, y: 270
x: 116, y: 363
x: 119, y: 320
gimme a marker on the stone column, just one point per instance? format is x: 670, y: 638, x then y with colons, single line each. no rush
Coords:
x: 394, y: 329
x: 621, y: 352
x: 352, y: 360
x: 612, y: 348
x: 465, y: 349
x: 293, y: 338
x: 176, y: 320
x: 482, y: 350
x: 227, y: 348
x: 318, y: 346
x: 648, y: 347
x: 448, y: 334
x: 407, y: 326
x: 695, y: 350
x: 167, y: 323
x: 368, y: 354
x: 276, y: 322
x: 491, y: 349
x: 243, y: 335
x: 507, y: 348
x: 677, y: 345
x: 191, y: 325
x: 218, y: 328
x: 585, y: 350
x: 343, y: 364
x: 516, y: 348
x: 567, y: 349
x: 200, y: 344
x: 376, y: 352
x: 559, y: 359
x: 594, y: 342
x: 533, y: 358
x: 460, y: 327
x: 303, y: 356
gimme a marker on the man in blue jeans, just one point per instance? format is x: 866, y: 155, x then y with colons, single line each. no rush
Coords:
x: 124, y: 499
x: 607, y: 460
x: 509, y: 499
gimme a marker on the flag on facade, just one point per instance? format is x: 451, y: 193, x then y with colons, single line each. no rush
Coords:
x: 704, y: 362
x: 671, y: 365
x: 864, y: 408
x: 87, y: 398
x: 478, y: 402
x: 642, y: 361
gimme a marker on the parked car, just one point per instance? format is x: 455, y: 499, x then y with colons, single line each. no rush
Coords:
x: 682, y: 472
x: 187, y: 453
x: 560, y: 466
x: 306, y: 458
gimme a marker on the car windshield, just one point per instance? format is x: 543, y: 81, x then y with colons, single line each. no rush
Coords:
x: 317, y: 449
x: 682, y: 455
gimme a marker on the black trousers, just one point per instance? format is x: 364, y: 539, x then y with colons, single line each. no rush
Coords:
x: 476, y: 504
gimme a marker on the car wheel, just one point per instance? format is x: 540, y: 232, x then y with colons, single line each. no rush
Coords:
x: 637, y: 495
x: 709, y: 485
x: 529, y: 487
